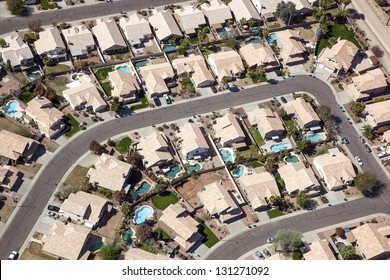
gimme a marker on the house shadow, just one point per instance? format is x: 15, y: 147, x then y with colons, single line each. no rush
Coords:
x: 18, y: 183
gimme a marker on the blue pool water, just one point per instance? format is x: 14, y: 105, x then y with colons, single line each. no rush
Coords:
x: 195, y: 167
x: 140, y: 63
x: 124, y: 68
x: 11, y: 108
x: 225, y: 33
x: 271, y: 38
x: 280, y: 146
x: 291, y: 159
x: 173, y: 171
x: 239, y: 171
x: 127, y: 235
x: 34, y: 75
x: 254, y: 30
x: 169, y: 47
x: 314, y: 138
x: 96, y: 246
x: 253, y: 41
x: 141, y: 214
x: 143, y: 189
x: 227, y: 155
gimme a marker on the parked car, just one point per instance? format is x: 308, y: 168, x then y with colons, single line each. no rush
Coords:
x: 344, y: 141
x: 361, y: 139
x: 273, y: 81
x: 259, y: 255
x: 336, y: 125
x: 358, y: 160
x: 234, y: 89
x: 368, y: 148
x: 157, y: 101
x: 383, y: 154
x: 53, y: 208
x: 13, y: 256
x: 214, y: 89
x: 284, y: 101
x: 167, y: 99
x: 270, y: 240
x: 252, y: 226
x: 267, y: 253
x: 123, y: 12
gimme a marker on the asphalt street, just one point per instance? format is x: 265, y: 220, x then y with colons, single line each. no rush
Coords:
x: 52, y: 172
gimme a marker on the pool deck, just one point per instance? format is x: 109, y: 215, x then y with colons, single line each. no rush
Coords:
x: 268, y: 143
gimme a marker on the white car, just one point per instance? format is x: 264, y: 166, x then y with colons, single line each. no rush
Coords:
x: 13, y: 256
x: 358, y: 160
x: 270, y: 240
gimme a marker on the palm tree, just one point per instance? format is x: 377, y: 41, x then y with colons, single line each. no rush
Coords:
x: 252, y: 22
x: 291, y: 10
x: 126, y: 209
x: 224, y: 80
x: 368, y: 131
x: 264, y: 32
x: 260, y: 70
x: 243, y: 22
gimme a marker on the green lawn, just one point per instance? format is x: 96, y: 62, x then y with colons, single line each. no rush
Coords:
x: 280, y: 181
x: 194, y: 41
x: 189, y: 86
x: 163, y: 200
x: 57, y: 68
x: 164, y: 236
x: 123, y: 145
x: 211, y: 239
x: 338, y: 31
x: 255, y: 164
x: 102, y: 73
x: 144, y: 104
x: 107, y: 88
x: 257, y: 78
x: 274, y: 213
x: 249, y: 153
x: 46, y: 5
x: 257, y: 136
x: 74, y: 126
x: 26, y: 96
x: 290, y: 125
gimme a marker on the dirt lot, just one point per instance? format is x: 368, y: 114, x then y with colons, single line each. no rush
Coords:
x: 7, y: 83
x: 58, y: 84
x: 34, y: 252
x: 10, y: 126
x: 29, y: 170
x: 109, y: 223
x: 5, y: 211
x: 74, y: 179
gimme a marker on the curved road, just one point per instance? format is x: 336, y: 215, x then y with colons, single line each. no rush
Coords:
x: 52, y: 172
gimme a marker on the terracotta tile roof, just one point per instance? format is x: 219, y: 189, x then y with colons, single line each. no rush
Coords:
x: 14, y: 146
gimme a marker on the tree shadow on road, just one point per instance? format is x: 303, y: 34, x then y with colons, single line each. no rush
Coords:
x: 375, y: 191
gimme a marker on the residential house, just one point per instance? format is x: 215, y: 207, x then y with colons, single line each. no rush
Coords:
x: 190, y: 19
x: 136, y: 29
x: 367, y: 85
x: 216, y: 13
x: 339, y: 57
x: 229, y: 132
x: 156, y: 76
x: 386, y: 136
x: 267, y: 122
x: 378, y: 114
x: 137, y: 254
x: 180, y: 226
x: 110, y: 173
x: 124, y: 85
x: 226, y: 64
x: 373, y: 240
x: 297, y: 177
x: 218, y: 202
x: 244, y: 9
x: 109, y: 37
x: 8, y: 177
x: 85, y: 95
x: 195, y: 67
x: 336, y: 169
x: 258, y: 188
x: 303, y: 113
x: 266, y: 7
x: 256, y: 55
x: 50, y: 44
x: 164, y: 26
x: 48, y: 118
x: 79, y: 40
x: 292, y: 50
x: 16, y: 53
x: 84, y: 207
x: 14, y: 146
x: 67, y: 241
x: 192, y: 142
x: 319, y: 251
x: 155, y: 150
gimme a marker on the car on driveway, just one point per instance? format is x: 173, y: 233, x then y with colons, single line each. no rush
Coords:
x: 266, y: 253
x: 157, y: 101
x: 13, y: 256
x: 358, y: 160
x: 368, y: 148
x: 53, y: 208
x: 167, y: 99
x: 270, y: 240
x: 361, y: 139
x: 284, y: 101
x: 259, y: 255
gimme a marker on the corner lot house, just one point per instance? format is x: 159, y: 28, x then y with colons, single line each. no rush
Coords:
x: 155, y: 77
x: 292, y: 50
x: 17, y: 53
x: 86, y: 95
x: 336, y: 169
x: 195, y: 67
x: 304, y: 114
x: 256, y: 55
x: 14, y: 146
x: 339, y: 57
x: 378, y: 114
x: 178, y: 224
x: 79, y: 40
x: 319, y: 250
x: 258, y: 188
x: 48, y: 118
x: 155, y: 150
x: 110, y: 173
x: 50, y: 44
x: 226, y: 64
x: 373, y: 241
x: 109, y: 37
x: 216, y: 13
x: 67, y: 241
x: 229, y: 132
x: 84, y: 207
x: 219, y: 203
x: 190, y: 19
x: 367, y: 85
x: 164, y: 26
x: 299, y: 178
x: 267, y: 122
x: 244, y: 9
x: 136, y: 29
x: 124, y: 86
x: 193, y: 145
x: 8, y: 177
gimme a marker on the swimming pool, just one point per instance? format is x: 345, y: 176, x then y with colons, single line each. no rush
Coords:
x: 225, y: 33
x: 127, y: 236
x: 239, y: 171
x: 194, y: 167
x: 124, y: 68
x: 142, y: 214
x: 34, y: 75
x: 271, y: 38
x: 96, y: 246
x: 169, y: 48
x: 276, y: 148
x: 140, y: 63
x: 253, y: 41
x: 11, y: 108
x: 173, y: 171
x: 143, y: 188
x: 254, y: 30
x: 315, y: 137
x: 227, y: 155
x: 292, y: 159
